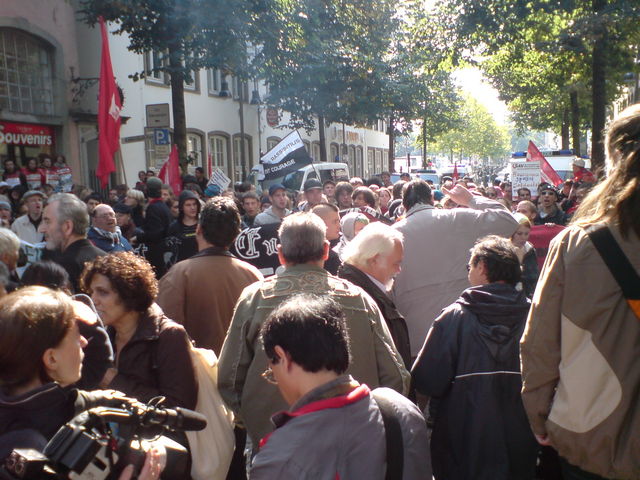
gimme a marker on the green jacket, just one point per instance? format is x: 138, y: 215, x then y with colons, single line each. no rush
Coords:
x: 375, y: 360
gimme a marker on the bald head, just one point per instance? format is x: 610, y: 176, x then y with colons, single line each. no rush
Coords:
x: 330, y: 215
x: 104, y: 218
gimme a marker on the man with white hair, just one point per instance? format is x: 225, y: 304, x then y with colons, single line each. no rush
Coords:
x: 105, y: 233
x: 371, y: 261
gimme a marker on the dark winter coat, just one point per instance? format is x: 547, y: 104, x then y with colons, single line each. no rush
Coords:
x: 393, y: 318
x: 470, y: 367
x: 154, y: 231
x: 74, y: 258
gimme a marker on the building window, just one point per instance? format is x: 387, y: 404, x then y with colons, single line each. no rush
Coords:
x: 333, y: 153
x: 378, y: 167
x: 369, y: 162
x: 237, y: 155
x: 214, y: 80
x: 155, y: 60
x: 26, y: 74
x: 219, y: 153
x: 358, y: 162
x: 315, y: 151
x: 236, y: 85
x: 193, y: 83
x: 194, y: 151
x: 272, y: 142
x: 351, y: 156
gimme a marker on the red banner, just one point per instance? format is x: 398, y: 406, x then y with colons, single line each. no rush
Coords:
x: 109, y: 106
x: 26, y: 134
x: 170, y: 172
x: 547, y: 172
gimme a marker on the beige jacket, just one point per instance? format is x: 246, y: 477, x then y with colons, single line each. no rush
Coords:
x: 581, y: 359
x: 375, y: 360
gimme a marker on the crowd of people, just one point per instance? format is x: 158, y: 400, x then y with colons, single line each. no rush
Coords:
x: 460, y: 332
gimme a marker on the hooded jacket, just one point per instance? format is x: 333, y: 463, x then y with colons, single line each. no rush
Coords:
x: 181, y: 239
x: 470, y: 367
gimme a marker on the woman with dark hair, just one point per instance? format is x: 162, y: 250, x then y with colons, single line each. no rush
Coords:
x: 49, y: 172
x: 580, y: 362
x: 181, y: 238
x: 152, y: 352
x: 47, y: 274
x: 41, y: 358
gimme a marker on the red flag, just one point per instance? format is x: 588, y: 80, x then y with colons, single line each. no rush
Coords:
x: 455, y: 173
x: 209, y: 165
x: 109, y: 106
x: 170, y: 171
x: 548, y: 174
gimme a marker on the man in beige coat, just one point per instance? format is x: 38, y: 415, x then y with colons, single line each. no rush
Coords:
x: 437, y: 245
x: 201, y: 292
x: 303, y: 249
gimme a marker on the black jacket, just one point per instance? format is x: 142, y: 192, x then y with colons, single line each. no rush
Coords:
x: 395, y: 321
x: 75, y: 256
x: 154, y: 231
x: 470, y: 367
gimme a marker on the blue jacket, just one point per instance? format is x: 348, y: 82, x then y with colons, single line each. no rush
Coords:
x: 107, y: 244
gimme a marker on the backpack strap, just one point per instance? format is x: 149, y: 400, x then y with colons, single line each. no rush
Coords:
x: 393, y: 437
x: 618, y: 264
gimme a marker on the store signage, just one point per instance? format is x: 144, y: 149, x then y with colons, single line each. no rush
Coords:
x: 25, y: 134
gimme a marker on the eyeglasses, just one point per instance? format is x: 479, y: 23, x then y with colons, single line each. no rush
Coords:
x: 547, y: 192
x: 269, y: 377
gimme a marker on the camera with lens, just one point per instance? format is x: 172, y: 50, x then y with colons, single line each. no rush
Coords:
x: 99, y: 443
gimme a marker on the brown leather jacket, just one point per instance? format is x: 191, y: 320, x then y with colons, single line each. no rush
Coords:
x: 156, y: 361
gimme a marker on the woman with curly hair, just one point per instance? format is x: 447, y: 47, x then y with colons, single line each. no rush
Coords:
x: 152, y: 352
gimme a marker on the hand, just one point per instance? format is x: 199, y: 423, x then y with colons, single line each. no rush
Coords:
x: 151, y: 469
x: 459, y: 194
x: 133, y: 240
x: 101, y: 398
x: 543, y: 440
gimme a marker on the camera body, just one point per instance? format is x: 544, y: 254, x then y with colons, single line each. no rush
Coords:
x: 99, y: 443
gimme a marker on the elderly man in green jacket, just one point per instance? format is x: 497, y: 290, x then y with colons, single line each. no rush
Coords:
x: 303, y: 249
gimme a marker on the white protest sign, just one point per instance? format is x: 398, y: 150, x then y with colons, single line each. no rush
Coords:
x: 525, y: 175
x: 219, y: 178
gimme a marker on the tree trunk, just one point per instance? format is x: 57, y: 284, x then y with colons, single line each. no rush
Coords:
x: 392, y: 145
x: 177, y: 104
x: 323, y: 140
x: 599, y: 98
x: 564, y: 132
x: 575, y: 122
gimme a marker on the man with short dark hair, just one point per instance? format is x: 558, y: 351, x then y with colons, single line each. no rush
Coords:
x: 64, y: 224
x: 278, y: 209
x: 251, y: 207
x: 303, y: 249
x: 306, y: 343
x: 438, y: 241
x: 201, y: 292
x: 329, y: 190
x: 470, y: 367
x: 548, y: 209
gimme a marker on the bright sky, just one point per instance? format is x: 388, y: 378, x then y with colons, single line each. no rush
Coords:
x: 470, y: 80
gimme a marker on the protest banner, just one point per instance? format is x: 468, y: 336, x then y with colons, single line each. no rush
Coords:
x: 525, y: 175
x: 287, y: 156
x: 219, y: 178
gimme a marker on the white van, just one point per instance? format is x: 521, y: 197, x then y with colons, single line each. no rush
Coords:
x: 560, y: 160
x: 295, y: 180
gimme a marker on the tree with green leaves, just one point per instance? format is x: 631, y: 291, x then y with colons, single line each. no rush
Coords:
x: 476, y: 135
x: 596, y: 33
x: 189, y: 34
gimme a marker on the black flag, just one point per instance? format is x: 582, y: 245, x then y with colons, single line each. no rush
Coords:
x: 286, y: 157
